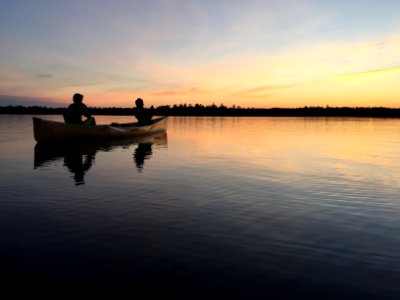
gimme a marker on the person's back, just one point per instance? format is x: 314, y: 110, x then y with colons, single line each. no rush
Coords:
x: 142, y: 115
x: 76, y: 110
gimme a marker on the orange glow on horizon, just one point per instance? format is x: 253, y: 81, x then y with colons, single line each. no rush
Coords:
x: 309, y: 75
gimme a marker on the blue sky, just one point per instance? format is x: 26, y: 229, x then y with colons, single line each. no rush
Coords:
x: 251, y: 53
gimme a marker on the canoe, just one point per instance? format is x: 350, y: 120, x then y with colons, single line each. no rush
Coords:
x: 50, y: 131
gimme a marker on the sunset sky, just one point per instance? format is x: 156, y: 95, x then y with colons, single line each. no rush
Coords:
x: 254, y: 53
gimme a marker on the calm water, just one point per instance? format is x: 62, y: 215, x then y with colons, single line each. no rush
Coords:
x: 287, y: 208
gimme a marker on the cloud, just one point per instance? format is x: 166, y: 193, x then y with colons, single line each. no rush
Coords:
x: 39, y: 75
x: 181, y: 92
x: 263, y: 91
x: 366, y: 75
x: 6, y: 100
x: 372, y: 72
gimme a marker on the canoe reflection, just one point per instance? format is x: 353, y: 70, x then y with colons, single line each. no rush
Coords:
x: 78, y: 158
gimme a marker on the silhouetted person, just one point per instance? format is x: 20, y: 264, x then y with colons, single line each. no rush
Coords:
x: 77, y: 165
x: 142, y: 114
x: 76, y: 110
x: 142, y: 152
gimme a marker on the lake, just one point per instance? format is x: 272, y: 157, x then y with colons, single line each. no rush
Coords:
x: 279, y: 208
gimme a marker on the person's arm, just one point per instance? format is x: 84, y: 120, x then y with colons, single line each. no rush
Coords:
x: 85, y: 111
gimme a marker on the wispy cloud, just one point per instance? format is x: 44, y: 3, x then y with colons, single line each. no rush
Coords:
x: 180, y: 92
x: 42, y: 75
x: 262, y: 91
x: 366, y: 76
x: 370, y: 72
x: 17, y: 100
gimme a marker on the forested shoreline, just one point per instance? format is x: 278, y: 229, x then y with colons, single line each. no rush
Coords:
x: 221, y: 110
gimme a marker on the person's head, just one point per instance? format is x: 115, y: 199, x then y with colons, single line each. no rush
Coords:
x: 139, y: 102
x: 77, y: 98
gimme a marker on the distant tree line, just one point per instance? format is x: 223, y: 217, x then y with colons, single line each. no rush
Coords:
x: 221, y: 110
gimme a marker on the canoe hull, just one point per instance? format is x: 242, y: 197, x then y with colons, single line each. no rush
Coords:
x: 50, y: 131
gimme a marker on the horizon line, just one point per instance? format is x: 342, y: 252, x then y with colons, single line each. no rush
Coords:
x: 200, y: 106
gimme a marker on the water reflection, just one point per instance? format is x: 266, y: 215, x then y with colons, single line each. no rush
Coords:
x: 78, y: 158
x: 142, y: 152
x: 78, y: 164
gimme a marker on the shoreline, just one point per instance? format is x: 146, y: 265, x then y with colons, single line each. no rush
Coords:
x: 220, y: 111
